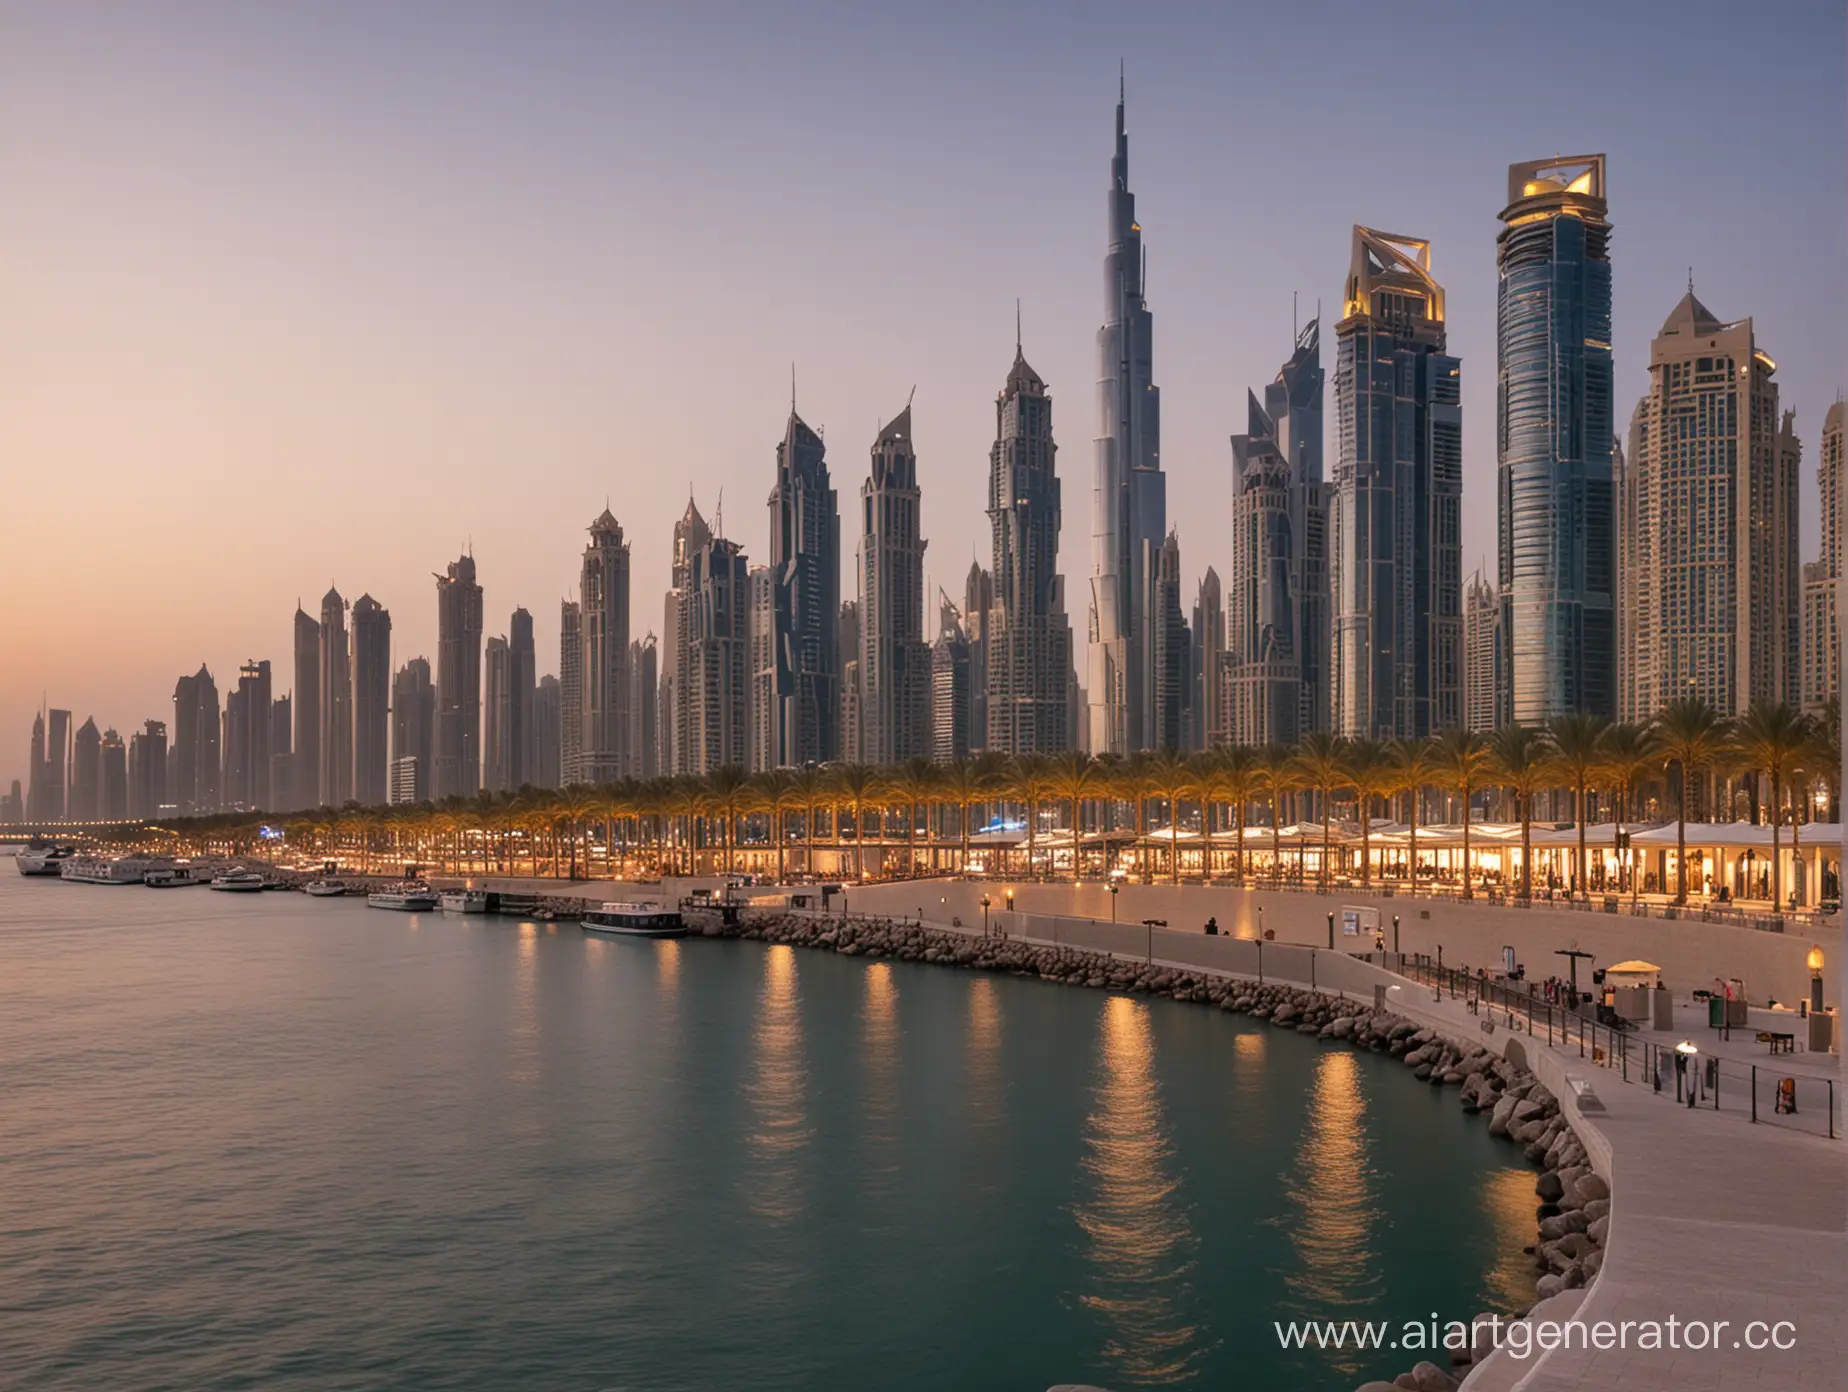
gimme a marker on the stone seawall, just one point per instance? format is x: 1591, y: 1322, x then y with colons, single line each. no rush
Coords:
x: 1572, y: 1203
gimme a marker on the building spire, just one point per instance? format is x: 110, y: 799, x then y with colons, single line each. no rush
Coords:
x: 1016, y: 326
x: 792, y: 387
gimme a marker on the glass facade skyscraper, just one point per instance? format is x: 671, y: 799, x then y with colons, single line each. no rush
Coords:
x: 1555, y: 500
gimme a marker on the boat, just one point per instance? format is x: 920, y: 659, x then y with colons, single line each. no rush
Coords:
x: 176, y: 876
x: 622, y: 920
x: 238, y: 881
x: 325, y: 889
x: 464, y: 901
x: 104, y: 870
x: 409, y: 897
x: 41, y: 858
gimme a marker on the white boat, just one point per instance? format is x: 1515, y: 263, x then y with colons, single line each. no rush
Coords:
x: 409, y: 897
x: 464, y: 901
x: 620, y: 920
x: 238, y: 881
x: 105, y: 870
x: 176, y: 876
x: 43, y: 860
x: 325, y: 889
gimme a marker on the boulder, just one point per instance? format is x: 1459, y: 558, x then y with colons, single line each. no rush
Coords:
x: 1548, y: 1286
x: 1498, y: 1119
x: 1597, y: 1208
x: 1590, y: 1188
x: 1556, y: 1227
x: 1550, y: 1186
x: 1428, y: 1377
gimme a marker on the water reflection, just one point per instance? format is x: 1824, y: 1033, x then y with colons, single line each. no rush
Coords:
x: 523, y: 1041
x: 1248, y: 1073
x: 1142, y: 1243
x: 1331, y: 1186
x: 1508, y: 1200
x: 984, y: 1089
x: 667, y: 986
x: 776, y: 1093
x: 879, y: 1023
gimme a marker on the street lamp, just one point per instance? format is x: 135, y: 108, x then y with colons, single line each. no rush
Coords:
x: 1395, y: 935
x: 1331, y: 930
x: 1113, y: 896
x: 1815, y: 967
x: 985, y: 902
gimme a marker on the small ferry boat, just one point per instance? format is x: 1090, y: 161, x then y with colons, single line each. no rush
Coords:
x: 103, y: 870
x: 238, y: 881
x: 409, y: 897
x: 621, y: 920
x: 326, y: 889
x: 41, y: 858
x: 176, y: 876
x: 464, y: 901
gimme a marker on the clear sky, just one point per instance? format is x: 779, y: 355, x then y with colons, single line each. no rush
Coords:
x: 292, y: 294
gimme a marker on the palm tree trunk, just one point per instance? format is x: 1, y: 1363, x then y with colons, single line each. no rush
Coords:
x: 1584, y: 880
x: 1466, y: 888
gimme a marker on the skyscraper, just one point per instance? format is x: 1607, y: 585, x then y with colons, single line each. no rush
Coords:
x: 716, y: 705
x: 194, y: 788
x: 1397, y: 498
x: 763, y: 702
x: 853, y: 689
x: 1481, y: 692
x: 1173, y: 651
x: 496, y: 715
x: 1210, y: 707
x: 1130, y: 496
x: 1822, y: 658
x: 803, y: 702
x: 458, y: 681
x: 1026, y: 633
x: 604, y: 593
x: 371, y: 700
x: 978, y: 601
x: 522, y: 675
x: 413, y: 726
x: 114, y: 804
x: 1710, y: 496
x: 305, y: 765
x: 86, y: 798
x: 952, y: 688
x: 336, y: 779
x: 1278, y: 635
x: 246, y: 782
x: 1555, y: 496
x: 37, y: 772
x: 58, y: 763
x: 147, y: 770
x: 282, y: 753
x: 690, y: 535
x: 894, y: 658
x: 644, y: 714
x: 570, y: 693
x: 546, y: 718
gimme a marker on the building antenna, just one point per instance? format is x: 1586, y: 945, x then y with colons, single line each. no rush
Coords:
x: 1295, y: 327
x: 1016, y: 326
x: 1690, y: 280
x: 910, y: 395
x: 718, y: 515
x: 792, y: 387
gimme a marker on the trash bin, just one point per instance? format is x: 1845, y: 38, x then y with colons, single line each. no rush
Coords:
x: 1716, y: 1012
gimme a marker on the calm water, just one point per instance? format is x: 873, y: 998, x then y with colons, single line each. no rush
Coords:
x: 268, y: 1141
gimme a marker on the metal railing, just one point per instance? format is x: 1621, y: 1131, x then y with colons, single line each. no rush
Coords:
x: 1805, y: 1101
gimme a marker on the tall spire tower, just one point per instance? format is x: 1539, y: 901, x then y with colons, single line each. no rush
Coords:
x: 1129, y: 501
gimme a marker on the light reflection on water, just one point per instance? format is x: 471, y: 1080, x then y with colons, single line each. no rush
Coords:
x: 523, y: 1042
x: 879, y: 1025
x: 1508, y: 1201
x: 1142, y: 1244
x: 667, y: 986
x: 779, y: 1125
x: 1337, y: 1269
x: 983, y: 1095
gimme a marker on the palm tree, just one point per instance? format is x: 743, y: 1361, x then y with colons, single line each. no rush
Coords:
x: 1322, y: 761
x: 856, y: 786
x: 1691, y: 737
x: 1076, y: 778
x: 1415, y: 766
x: 1626, y: 753
x: 1522, y: 762
x: 1826, y: 755
x: 1578, y: 753
x: 576, y: 805
x: 1372, y: 771
x: 729, y: 791
x: 776, y: 793
x: 911, y: 783
x: 965, y: 783
x: 1031, y: 778
x: 1277, y: 775
x: 1773, y: 739
x: 1463, y: 761
x: 1133, y: 780
x: 1172, y: 777
x: 1239, y: 778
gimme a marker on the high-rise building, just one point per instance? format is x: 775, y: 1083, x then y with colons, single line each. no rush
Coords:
x: 114, y: 804
x: 546, y: 718
x: 1554, y: 490
x: 458, y: 681
x: 336, y: 778
x: 413, y: 726
x: 570, y: 693
x: 37, y: 771
x: 13, y: 806
x: 690, y: 535
x: 952, y: 686
x: 1025, y: 630
x: 1397, y: 542
x: 371, y: 669
x: 605, y: 597
x: 1278, y: 636
x: 1129, y: 511
x: 86, y: 797
x: 282, y: 753
x: 55, y: 766
x: 1173, y: 651
x: 406, y: 776
x: 1822, y: 652
x: 1210, y: 707
x: 497, y: 714
x: 803, y: 710
x: 147, y: 770
x: 1481, y: 691
x: 644, y: 713
x: 853, y: 689
x: 246, y: 745
x: 305, y: 764
x: 194, y: 789
x: 522, y: 676
x: 1709, y: 507
x: 716, y: 697
x: 763, y: 701
x: 894, y: 658
x: 978, y: 601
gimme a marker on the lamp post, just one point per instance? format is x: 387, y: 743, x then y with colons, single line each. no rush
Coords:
x: 1331, y: 930
x: 1815, y: 968
x: 1113, y: 896
x: 1395, y: 935
x: 1010, y: 909
x: 985, y: 903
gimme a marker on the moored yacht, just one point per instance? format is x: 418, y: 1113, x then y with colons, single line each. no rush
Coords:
x: 623, y: 920
x: 465, y: 901
x: 176, y: 876
x: 409, y: 897
x: 107, y: 870
x: 40, y: 858
x: 326, y: 889
x: 238, y: 880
